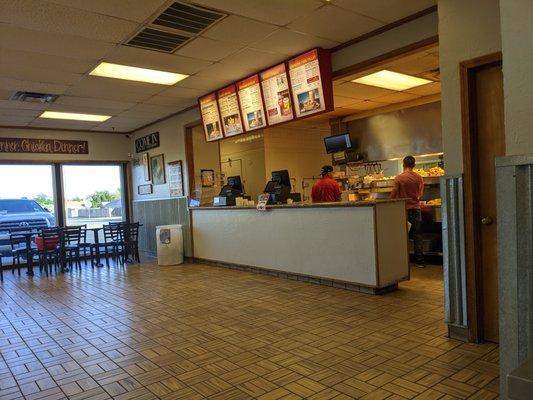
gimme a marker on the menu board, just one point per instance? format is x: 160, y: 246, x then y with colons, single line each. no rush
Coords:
x: 275, y: 86
x: 228, y: 104
x: 251, y: 103
x: 307, y: 84
x: 210, y: 117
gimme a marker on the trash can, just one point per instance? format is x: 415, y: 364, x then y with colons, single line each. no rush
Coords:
x: 169, y: 244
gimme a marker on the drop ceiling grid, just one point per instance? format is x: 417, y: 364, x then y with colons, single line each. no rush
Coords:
x: 36, y: 30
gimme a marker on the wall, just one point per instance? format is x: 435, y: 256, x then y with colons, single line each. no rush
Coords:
x: 172, y: 146
x: 247, y: 155
x: 517, y: 66
x: 102, y: 146
x: 467, y: 29
x: 415, y: 130
x: 206, y: 155
x: 297, y: 149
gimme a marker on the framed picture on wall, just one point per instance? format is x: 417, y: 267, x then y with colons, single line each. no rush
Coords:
x: 175, y: 178
x: 146, y: 166
x: 145, y: 189
x: 157, y: 166
x: 207, y: 177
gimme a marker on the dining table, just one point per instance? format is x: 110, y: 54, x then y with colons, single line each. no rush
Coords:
x: 96, y: 235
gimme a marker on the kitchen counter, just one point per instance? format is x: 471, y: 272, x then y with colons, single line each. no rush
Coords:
x: 358, y: 245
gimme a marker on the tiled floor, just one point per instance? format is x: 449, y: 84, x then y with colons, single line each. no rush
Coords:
x: 194, y: 332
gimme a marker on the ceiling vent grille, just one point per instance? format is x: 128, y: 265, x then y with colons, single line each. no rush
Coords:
x: 33, y: 97
x: 155, y: 39
x: 188, y: 18
x: 178, y: 24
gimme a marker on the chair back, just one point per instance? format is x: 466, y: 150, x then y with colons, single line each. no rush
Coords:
x: 18, y: 240
x: 72, y: 235
x: 111, y: 233
x: 52, y: 238
x: 131, y: 232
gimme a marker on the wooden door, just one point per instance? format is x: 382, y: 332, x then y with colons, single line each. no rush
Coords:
x: 484, y: 140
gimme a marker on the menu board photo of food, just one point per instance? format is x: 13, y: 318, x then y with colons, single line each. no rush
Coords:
x: 306, y: 84
x: 210, y: 117
x: 251, y: 103
x: 228, y: 105
x: 275, y: 86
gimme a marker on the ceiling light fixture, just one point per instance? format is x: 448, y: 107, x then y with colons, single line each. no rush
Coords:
x: 126, y: 72
x: 392, y: 80
x: 74, y: 116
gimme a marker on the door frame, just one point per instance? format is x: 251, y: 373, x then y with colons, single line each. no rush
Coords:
x: 474, y: 284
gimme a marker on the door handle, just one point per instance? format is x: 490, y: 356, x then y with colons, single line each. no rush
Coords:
x: 486, y: 220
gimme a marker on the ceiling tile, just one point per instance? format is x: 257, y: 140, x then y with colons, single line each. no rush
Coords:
x: 204, y: 83
x: 62, y: 124
x: 83, y: 109
x: 335, y: 24
x: 398, y: 97
x: 251, y: 60
x: 22, y: 105
x: 176, y: 102
x: 288, y: 42
x: 117, y: 85
x: 208, y: 49
x: 17, y: 84
x: 5, y: 94
x: 36, y: 72
x: 10, y: 58
x: 279, y: 12
x: 10, y: 112
x: 152, y: 116
x: 387, y: 11
x: 235, y: 29
x: 47, y: 17
x: 426, y: 90
x: 153, y: 108
x: 15, y: 121
x: 222, y: 71
x: 340, y: 112
x: 181, y: 92
x: 366, y: 105
x: 92, y: 102
x: 107, y: 93
x: 413, y: 67
x: 54, y: 44
x: 358, y: 91
x: 340, y: 101
x: 133, y: 10
x: 136, y: 57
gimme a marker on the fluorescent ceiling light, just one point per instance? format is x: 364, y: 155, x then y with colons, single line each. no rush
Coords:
x: 137, y: 74
x: 392, y: 80
x: 74, y: 116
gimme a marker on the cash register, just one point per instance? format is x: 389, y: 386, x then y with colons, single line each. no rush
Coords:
x: 279, y: 187
x: 229, y: 192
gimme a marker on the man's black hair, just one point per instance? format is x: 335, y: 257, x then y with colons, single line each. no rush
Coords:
x: 409, y: 162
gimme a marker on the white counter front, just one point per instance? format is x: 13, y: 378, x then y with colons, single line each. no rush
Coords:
x: 359, y: 243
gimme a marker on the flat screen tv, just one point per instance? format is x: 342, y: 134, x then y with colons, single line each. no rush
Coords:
x: 338, y: 143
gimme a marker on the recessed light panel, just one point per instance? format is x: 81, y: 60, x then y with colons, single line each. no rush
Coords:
x: 126, y: 72
x: 392, y: 80
x: 74, y: 116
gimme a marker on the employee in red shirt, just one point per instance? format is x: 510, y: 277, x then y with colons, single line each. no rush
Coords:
x: 409, y: 185
x: 326, y: 189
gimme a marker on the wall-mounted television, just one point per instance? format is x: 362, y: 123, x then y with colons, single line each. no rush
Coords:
x: 338, y: 143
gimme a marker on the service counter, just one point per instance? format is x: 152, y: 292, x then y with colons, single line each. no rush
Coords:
x: 357, y: 245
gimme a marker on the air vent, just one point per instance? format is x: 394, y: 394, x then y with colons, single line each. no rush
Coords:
x: 33, y: 97
x: 178, y: 24
x: 154, y: 39
x: 188, y: 18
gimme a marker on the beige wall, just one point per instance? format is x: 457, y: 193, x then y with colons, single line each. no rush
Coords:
x: 102, y: 146
x: 299, y: 150
x: 245, y: 156
x: 172, y: 146
x: 517, y: 37
x: 206, y: 156
x: 467, y: 29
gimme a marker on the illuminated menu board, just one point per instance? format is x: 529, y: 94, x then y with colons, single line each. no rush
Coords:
x: 251, y: 103
x: 310, y: 74
x: 228, y: 104
x: 275, y: 86
x: 210, y: 117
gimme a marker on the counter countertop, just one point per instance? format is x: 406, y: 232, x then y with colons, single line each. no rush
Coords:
x: 365, y: 203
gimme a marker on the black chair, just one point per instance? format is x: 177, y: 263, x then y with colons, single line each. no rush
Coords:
x: 85, y: 247
x: 113, y: 244
x: 52, y: 252
x: 71, y: 245
x: 19, y: 247
x: 130, y: 234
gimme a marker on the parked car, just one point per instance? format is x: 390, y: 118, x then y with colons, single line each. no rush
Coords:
x: 21, y: 213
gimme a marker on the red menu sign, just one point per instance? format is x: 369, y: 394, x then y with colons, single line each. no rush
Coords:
x: 210, y: 117
x: 307, y: 82
x: 275, y: 86
x: 228, y: 104
x: 251, y: 103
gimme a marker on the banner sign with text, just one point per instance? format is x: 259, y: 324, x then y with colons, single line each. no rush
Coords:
x: 47, y: 146
x: 147, y: 142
